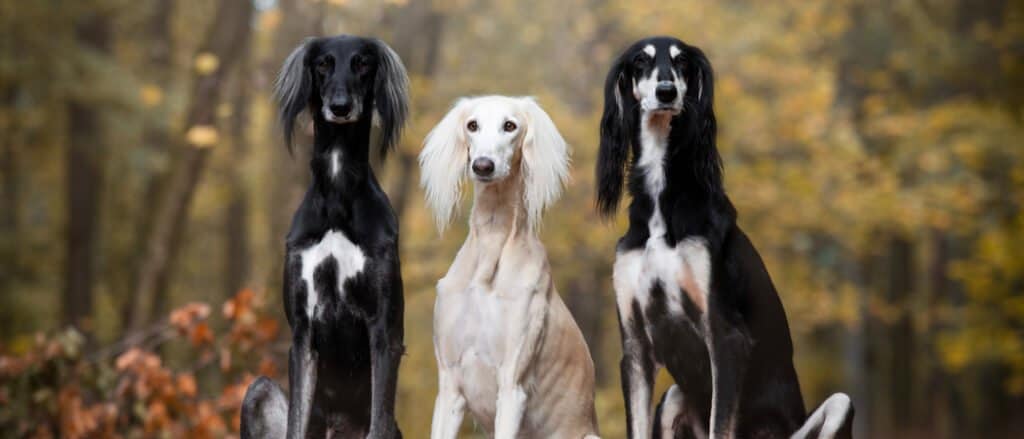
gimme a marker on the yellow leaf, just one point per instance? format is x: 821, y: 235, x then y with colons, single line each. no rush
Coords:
x: 151, y: 95
x: 206, y: 63
x: 202, y: 136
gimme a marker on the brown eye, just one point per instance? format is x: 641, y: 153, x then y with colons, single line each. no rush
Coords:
x: 472, y: 126
x: 510, y: 126
x: 324, y: 66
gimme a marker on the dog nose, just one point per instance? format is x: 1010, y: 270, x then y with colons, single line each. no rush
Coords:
x: 341, y: 107
x: 483, y: 167
x: 666, y: 92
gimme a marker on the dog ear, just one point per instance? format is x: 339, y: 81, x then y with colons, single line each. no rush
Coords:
x: 703, y: 126
x: 616, y: 128
x: 545, y: 161
x: 443, y: 164
x: 294, y: 88
x: 391, y: 97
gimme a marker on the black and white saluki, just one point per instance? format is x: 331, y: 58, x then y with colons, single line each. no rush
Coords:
x: 692, y: 292
x: 342, y: 283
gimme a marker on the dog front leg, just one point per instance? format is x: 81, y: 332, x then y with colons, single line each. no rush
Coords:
x: 449, y: 408
x: 511, y: 394
x: 728, y: 347
x: 386, y: 353
x: 302, y: 382
x: 637, y: 375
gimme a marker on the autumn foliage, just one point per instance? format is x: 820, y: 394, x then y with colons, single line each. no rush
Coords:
x: 147, y: 384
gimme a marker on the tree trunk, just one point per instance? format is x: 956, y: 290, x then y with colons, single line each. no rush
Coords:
x: 228, y: 35
x: 84, y: 180
x: 157, y: 139
x: 236, y: 214
x: 901, y: 336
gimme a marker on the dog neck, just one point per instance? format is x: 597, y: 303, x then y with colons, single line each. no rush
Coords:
x: 498, y: 207
x: 340, y: 161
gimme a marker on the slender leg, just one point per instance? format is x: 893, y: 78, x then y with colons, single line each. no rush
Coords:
x: 386, y: 351
x: 512, y: 396
x: 302, y: 382
x: 448, y: 409
x: 264, y: 411
x: 728, y: 348
x: 511, y: 405
x: 637, y: 366
x: 832, y: 420
x: 637, y: 383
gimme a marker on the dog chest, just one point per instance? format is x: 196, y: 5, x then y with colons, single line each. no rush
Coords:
x: 673, y: 280
x: 325, y: 268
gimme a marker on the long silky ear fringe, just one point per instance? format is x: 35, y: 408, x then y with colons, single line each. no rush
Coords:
x: 616, y: 127
x: 391, y: 95
x: 443, y: 165
x: 545, y: 161
x: 293, y: 89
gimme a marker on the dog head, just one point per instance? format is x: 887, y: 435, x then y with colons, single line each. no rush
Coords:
x: 491, y: 139
x: 339, y: 80
x: 658, y: 76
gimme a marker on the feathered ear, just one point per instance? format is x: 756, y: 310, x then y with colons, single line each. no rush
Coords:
x: 294, y: 88
x: 545, y: 161
x: 704, y: 94
x: 702, y: 129
x: 443, y: 164
x: 391, y: 97
x: 616, y: 128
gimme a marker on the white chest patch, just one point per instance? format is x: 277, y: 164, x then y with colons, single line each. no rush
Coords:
x: 350, y: 260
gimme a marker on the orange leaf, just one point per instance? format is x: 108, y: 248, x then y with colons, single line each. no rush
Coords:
x: 187, y: 385
x: 201, y: 334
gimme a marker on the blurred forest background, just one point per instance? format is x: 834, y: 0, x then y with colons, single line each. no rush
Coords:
x: 873, y: 149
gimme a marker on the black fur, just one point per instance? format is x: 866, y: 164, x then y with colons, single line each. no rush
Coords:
x: 343, y: 365
x: 743, y: 333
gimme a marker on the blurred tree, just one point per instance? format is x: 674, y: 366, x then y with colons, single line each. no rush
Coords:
x: 227, y: 36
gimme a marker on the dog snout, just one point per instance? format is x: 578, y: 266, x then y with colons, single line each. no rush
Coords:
x: 666, y: 92
x: 483, y: 167
x: 341, y: 107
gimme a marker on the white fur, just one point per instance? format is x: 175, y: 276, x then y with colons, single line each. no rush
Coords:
x: 335, y: 162
x: 350, y: 261
x: 674, y: 51
x: 451, y: 147
x: 443, y: 163
x: 650, y: 50
x: 829, y: 417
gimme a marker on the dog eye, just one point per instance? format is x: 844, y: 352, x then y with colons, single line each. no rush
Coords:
x: 472, y: 126
x: 359, y: 64
x: 510, y: 126
x: 640, y: 60
x: 323, y: 66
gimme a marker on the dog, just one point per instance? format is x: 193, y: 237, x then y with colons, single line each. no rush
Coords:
x: 342, y: 278
x: 692, y: 293
x: 507, y: 348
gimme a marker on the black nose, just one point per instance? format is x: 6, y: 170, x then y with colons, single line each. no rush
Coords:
x: 483, y: 167
x: 666, y: 92
x: 341, y: 107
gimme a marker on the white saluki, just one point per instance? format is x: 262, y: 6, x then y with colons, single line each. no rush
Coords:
x: 507, y: 348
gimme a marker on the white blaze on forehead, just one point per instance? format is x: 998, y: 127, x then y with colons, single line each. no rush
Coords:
x: 348, y: 256
x: 674, y: 51
x: 650, y: 50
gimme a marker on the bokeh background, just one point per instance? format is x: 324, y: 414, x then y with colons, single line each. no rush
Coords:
x: 873, y: 149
